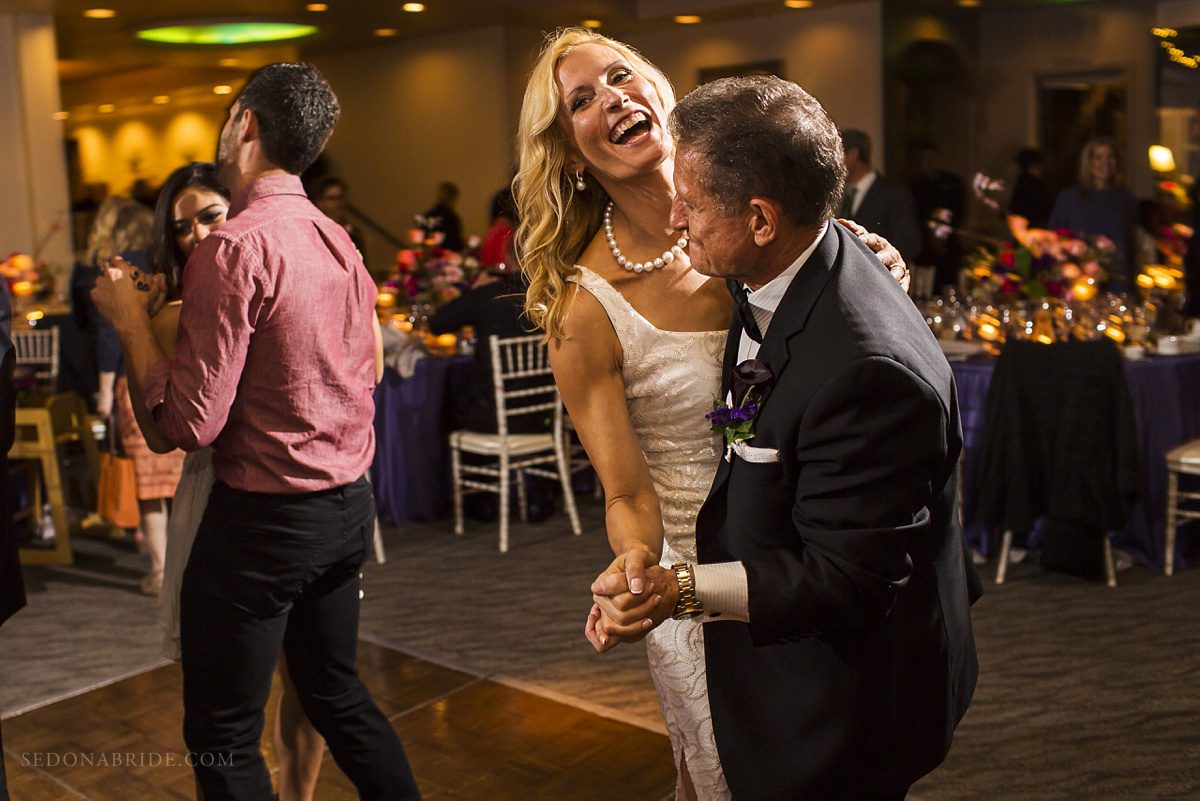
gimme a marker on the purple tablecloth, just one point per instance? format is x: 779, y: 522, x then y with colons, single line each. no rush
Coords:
x: 1166, y: 402
x: 412, y: 418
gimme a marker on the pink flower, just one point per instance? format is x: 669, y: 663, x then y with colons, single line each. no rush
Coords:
x: 1106, y: 245
x: 406, y: 260
x: 453, y: 273
x: 1076, y: 247
x: 474, y: 241
x: 1070, y: 271
x: 435, y: 238
x: 1092, y: 268
x: 416, y: 235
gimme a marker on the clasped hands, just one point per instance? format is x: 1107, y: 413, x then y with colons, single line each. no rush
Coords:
x: 629, y: 599
x: 122, y: 292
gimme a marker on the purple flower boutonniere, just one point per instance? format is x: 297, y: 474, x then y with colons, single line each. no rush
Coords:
x: 735, y: 422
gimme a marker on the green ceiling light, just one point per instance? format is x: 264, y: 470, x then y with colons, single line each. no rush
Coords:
x: 226, y: 33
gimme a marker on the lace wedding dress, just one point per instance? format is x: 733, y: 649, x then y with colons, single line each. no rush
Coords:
x: 671, y: 378
x: 191, y: 497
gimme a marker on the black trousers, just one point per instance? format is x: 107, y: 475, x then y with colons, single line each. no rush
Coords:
x: 270, y: 572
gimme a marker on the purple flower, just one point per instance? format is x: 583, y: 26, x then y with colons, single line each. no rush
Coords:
x: 750, y: 374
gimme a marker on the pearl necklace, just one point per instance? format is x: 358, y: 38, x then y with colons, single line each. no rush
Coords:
x: 666, y: 258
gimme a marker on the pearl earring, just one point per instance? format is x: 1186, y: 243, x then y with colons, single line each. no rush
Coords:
x: 579, y: 184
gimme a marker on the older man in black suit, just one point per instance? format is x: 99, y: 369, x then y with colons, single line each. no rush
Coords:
x: 838, y: 648
x: 874, y: 202
x: 12, y: 587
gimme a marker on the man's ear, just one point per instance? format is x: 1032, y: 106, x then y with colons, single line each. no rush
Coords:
x: 765, y: 217
x: 249, y: 125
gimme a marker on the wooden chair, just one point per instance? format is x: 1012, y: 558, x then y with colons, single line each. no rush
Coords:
x: 523, y: 385
x: 40, y: 433
x: 38, y: 348
x: 1184, y: 460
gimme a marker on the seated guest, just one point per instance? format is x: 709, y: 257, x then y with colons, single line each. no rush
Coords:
x: 441, y: 217
x: 493, y: 307
x: 876, y: 203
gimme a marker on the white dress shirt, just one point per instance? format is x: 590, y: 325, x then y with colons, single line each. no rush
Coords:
x: 722, y: 587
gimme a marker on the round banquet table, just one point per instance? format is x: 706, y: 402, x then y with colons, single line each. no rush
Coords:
x: 1165, y: 391
x: 413, y: 416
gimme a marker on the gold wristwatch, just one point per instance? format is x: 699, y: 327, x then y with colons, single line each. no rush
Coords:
x: 688, y: 604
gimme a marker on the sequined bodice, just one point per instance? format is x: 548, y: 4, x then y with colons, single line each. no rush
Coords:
x: 671, y: 378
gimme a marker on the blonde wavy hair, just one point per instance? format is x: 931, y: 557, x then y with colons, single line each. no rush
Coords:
x: 557, y: 221
x: 121, y: 224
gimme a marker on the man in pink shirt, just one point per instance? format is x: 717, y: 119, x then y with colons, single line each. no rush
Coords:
x: 275, y: 370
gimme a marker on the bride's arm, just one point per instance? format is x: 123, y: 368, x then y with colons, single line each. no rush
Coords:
x: 587, y: 367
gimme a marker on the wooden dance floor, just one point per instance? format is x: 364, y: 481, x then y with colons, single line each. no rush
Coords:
x: 468, y: 738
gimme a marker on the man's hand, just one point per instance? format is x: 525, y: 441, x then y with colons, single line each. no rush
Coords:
x: 884, y: 250
x: 619, y: 615
x: 118, y: 298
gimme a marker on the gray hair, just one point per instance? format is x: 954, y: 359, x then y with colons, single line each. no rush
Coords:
x: 762, y: 136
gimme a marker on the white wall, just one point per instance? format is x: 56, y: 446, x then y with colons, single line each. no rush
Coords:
x: 836, y: 53
x: 417, y: 113
x: 32, y: 168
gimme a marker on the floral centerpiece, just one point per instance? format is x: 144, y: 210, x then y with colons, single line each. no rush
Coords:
x: 426, y: 270
x: 21, y: 274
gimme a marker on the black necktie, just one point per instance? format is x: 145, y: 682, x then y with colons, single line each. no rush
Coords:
x: 742, y: 296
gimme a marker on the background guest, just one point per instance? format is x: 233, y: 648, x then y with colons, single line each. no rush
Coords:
x: 938, y: 191
x: 874, y: 202
x: 329, y: 195
x: 1191, y: 261
x: 442, y: 217
x: 1100, y: 205
x: 1030, y: 196
x: 494, y: 249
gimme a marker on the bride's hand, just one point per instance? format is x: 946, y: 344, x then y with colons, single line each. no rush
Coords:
x: 884, y: 250
x: 623, y: 590
x: 596, y: 632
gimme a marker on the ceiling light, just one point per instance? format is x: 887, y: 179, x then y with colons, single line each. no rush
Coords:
x: 687, y: 19
x: 591, y: 23
x: 798, y: 3
x: 106, y: 108
x: 317, y: 7
x: 222, y: 89
x: 386, y: 32
x: 414, y: 8
x: 228, y: 62
x: 99, y: 13
x: 226, y: 33
x: 970, y: 3
x: 161, y: 100
x: 60, y: 115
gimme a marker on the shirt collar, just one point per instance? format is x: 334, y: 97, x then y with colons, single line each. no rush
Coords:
x: 278, y: 184
x: 865, y: 183
x: 768, y: 297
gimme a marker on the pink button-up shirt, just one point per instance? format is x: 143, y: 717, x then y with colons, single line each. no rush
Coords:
x: 275, y: 361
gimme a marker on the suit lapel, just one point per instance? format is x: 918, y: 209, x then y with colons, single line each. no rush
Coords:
x: 789, y: 320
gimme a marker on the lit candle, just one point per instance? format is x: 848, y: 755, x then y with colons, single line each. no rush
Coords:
x: 447, y: 340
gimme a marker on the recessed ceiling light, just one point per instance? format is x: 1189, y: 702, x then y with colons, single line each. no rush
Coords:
x: 226, y: 33
x: 413, y: 8
x: 99, y: 13
x: 970, y: 3
x: 162, y: 100
x: 317, y: 7
x: 591, y: 23
x: 229, y: 62
x: 386, y: 32
x: 687, y: 19
x: 106, y: 108
x: 798, y: 3
x: 60, y: 115
x: 222, y: 89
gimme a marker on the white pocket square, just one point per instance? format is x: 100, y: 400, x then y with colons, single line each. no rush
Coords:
x: 754, y: 455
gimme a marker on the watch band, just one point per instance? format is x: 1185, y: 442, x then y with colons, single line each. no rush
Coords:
x: 688, y: 605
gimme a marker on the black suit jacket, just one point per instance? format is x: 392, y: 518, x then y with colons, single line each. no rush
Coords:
x: 12, y: 587
x: 859, y: 658
x: 888, y: 210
